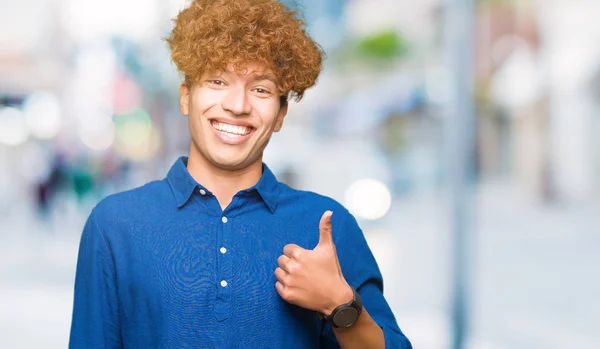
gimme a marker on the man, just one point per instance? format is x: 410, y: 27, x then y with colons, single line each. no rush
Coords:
x: 219, y: 254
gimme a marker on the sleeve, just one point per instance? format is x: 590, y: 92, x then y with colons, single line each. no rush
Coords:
x: 362, y: 272
x: 95, y: 321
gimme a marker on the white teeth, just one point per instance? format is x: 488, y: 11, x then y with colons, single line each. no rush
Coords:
x: 236, y: 130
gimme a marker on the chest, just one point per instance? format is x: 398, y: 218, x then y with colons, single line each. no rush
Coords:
x: 210, y: 268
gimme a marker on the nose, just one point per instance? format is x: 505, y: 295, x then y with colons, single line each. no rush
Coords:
x: 236, y: 101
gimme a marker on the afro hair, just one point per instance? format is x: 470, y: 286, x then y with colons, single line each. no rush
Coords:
x: 209, y: 35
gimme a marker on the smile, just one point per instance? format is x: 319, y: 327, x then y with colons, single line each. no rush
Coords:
x: 233, y: 130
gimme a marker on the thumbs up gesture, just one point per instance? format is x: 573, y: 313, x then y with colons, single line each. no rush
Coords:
x: 313, y: 279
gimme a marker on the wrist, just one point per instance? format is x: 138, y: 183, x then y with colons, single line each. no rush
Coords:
x: 340, y: 296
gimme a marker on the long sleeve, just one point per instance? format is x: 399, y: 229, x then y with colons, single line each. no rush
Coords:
x: 362, y: 272
x: 95, y: 321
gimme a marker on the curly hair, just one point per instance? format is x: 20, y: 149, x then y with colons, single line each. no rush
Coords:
x: 211, y: 34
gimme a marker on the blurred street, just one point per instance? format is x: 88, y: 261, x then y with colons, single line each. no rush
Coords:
x: 89, y: 106
x: 534, y: 278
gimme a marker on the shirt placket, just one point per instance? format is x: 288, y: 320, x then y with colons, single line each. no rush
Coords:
x: 225, y: 282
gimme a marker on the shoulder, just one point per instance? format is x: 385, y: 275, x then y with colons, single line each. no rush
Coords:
x: 302, y: 198
x: 311, y: 204
x: 133, y: 203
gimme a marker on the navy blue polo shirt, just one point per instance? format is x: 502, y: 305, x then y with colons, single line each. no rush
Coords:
x: 163, y: 266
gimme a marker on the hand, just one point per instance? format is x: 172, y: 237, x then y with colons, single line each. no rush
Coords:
x: 313, y: 279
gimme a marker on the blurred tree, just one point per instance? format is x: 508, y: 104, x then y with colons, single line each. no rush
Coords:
x: 384, y: 45
x: 376, y: 52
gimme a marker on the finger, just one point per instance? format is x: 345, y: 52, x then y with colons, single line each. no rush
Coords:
x: 284, y: 261
x: 280, y: 288
x: 325, y: 235
x: 285, y: 292
x: 337, y: 260
x: 281, y: 275
x: 293, y: 251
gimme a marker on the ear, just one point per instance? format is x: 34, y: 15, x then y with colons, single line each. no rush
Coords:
x: 184, y: 92
x: 282, y: 113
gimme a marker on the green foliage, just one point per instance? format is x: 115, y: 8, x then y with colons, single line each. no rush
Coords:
x: 384, y: 45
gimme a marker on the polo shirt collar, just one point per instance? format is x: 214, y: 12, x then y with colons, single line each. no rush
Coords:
x: 183, y: 184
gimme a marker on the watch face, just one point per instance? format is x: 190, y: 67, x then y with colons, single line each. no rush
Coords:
x: 345, y: 317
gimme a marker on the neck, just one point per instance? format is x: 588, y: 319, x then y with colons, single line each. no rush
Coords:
x: 223, y: 183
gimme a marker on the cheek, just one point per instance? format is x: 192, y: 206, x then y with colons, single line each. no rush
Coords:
x: 196, y: 122
x: 269, y: 115
x: 203, y: 100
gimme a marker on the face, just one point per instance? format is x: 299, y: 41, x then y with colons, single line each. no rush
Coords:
x: 233, y: 115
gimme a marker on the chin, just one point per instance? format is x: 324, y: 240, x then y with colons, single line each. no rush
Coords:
x: 231, y: 164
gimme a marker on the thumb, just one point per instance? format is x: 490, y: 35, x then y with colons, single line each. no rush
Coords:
x: 325, y: 236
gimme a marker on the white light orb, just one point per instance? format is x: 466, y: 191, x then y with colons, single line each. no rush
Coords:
x: 13, y: 130
x: 98, y: 139
x: 43, y: 115
x: 368, y: 199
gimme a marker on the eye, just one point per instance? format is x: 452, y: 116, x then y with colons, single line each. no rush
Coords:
x: 217, y: 82
x: 261, y: 90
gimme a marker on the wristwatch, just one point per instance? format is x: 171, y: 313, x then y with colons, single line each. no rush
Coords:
x: 346, y: 314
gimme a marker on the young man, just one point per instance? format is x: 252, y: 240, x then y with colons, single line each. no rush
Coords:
x: 219, y: 254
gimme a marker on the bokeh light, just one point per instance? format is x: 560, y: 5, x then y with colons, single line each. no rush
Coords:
x: 368, y: 199
x: 136, y: 138
x: 43, y: 115
x: 13, y: 130
x: 99, y: 138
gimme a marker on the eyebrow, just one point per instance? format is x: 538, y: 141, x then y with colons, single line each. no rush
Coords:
x: 265, y: 77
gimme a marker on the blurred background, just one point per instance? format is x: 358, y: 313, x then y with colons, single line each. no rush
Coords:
x: 89, y: 107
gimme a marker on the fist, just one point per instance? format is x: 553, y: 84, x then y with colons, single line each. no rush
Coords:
x: 313, y: 279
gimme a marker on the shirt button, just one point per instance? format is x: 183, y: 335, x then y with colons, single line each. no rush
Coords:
x: 224, y: 219
x: 223, y: 283
x: 223, y: 250
x: 202, y: 192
